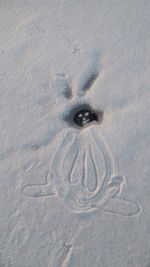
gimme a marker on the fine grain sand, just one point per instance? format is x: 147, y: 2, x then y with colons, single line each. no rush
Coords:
x: 75, y: 133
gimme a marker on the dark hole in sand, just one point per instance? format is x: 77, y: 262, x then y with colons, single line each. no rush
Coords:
x: 83, y: 115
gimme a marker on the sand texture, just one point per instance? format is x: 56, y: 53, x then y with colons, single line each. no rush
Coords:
x: 75, y: 133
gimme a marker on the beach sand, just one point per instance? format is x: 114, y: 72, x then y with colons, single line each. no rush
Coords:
x: 74, y: 142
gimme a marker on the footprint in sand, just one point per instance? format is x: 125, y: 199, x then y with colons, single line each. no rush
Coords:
x: 83, y: 171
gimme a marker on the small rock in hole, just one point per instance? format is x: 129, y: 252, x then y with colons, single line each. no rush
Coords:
x: 84, y: 116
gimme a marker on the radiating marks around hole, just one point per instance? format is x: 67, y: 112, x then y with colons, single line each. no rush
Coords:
x: 68, y: 92
x: 91, y: 75
x: 84, y: 169
x: 63, y: 84
x: 109, y: 167
x: 74, y: 157
x: 71, y: 176
x: 92, y: 190
x: 90, y: 81
x: 48, y: 188
x: 92, y: 171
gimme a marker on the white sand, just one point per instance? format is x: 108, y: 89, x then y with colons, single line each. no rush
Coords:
x: 71, y: 197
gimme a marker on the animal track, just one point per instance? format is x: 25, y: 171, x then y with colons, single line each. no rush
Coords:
x: 83, y: 171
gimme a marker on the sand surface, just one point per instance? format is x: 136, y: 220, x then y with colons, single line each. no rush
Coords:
x: 73, y: 196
